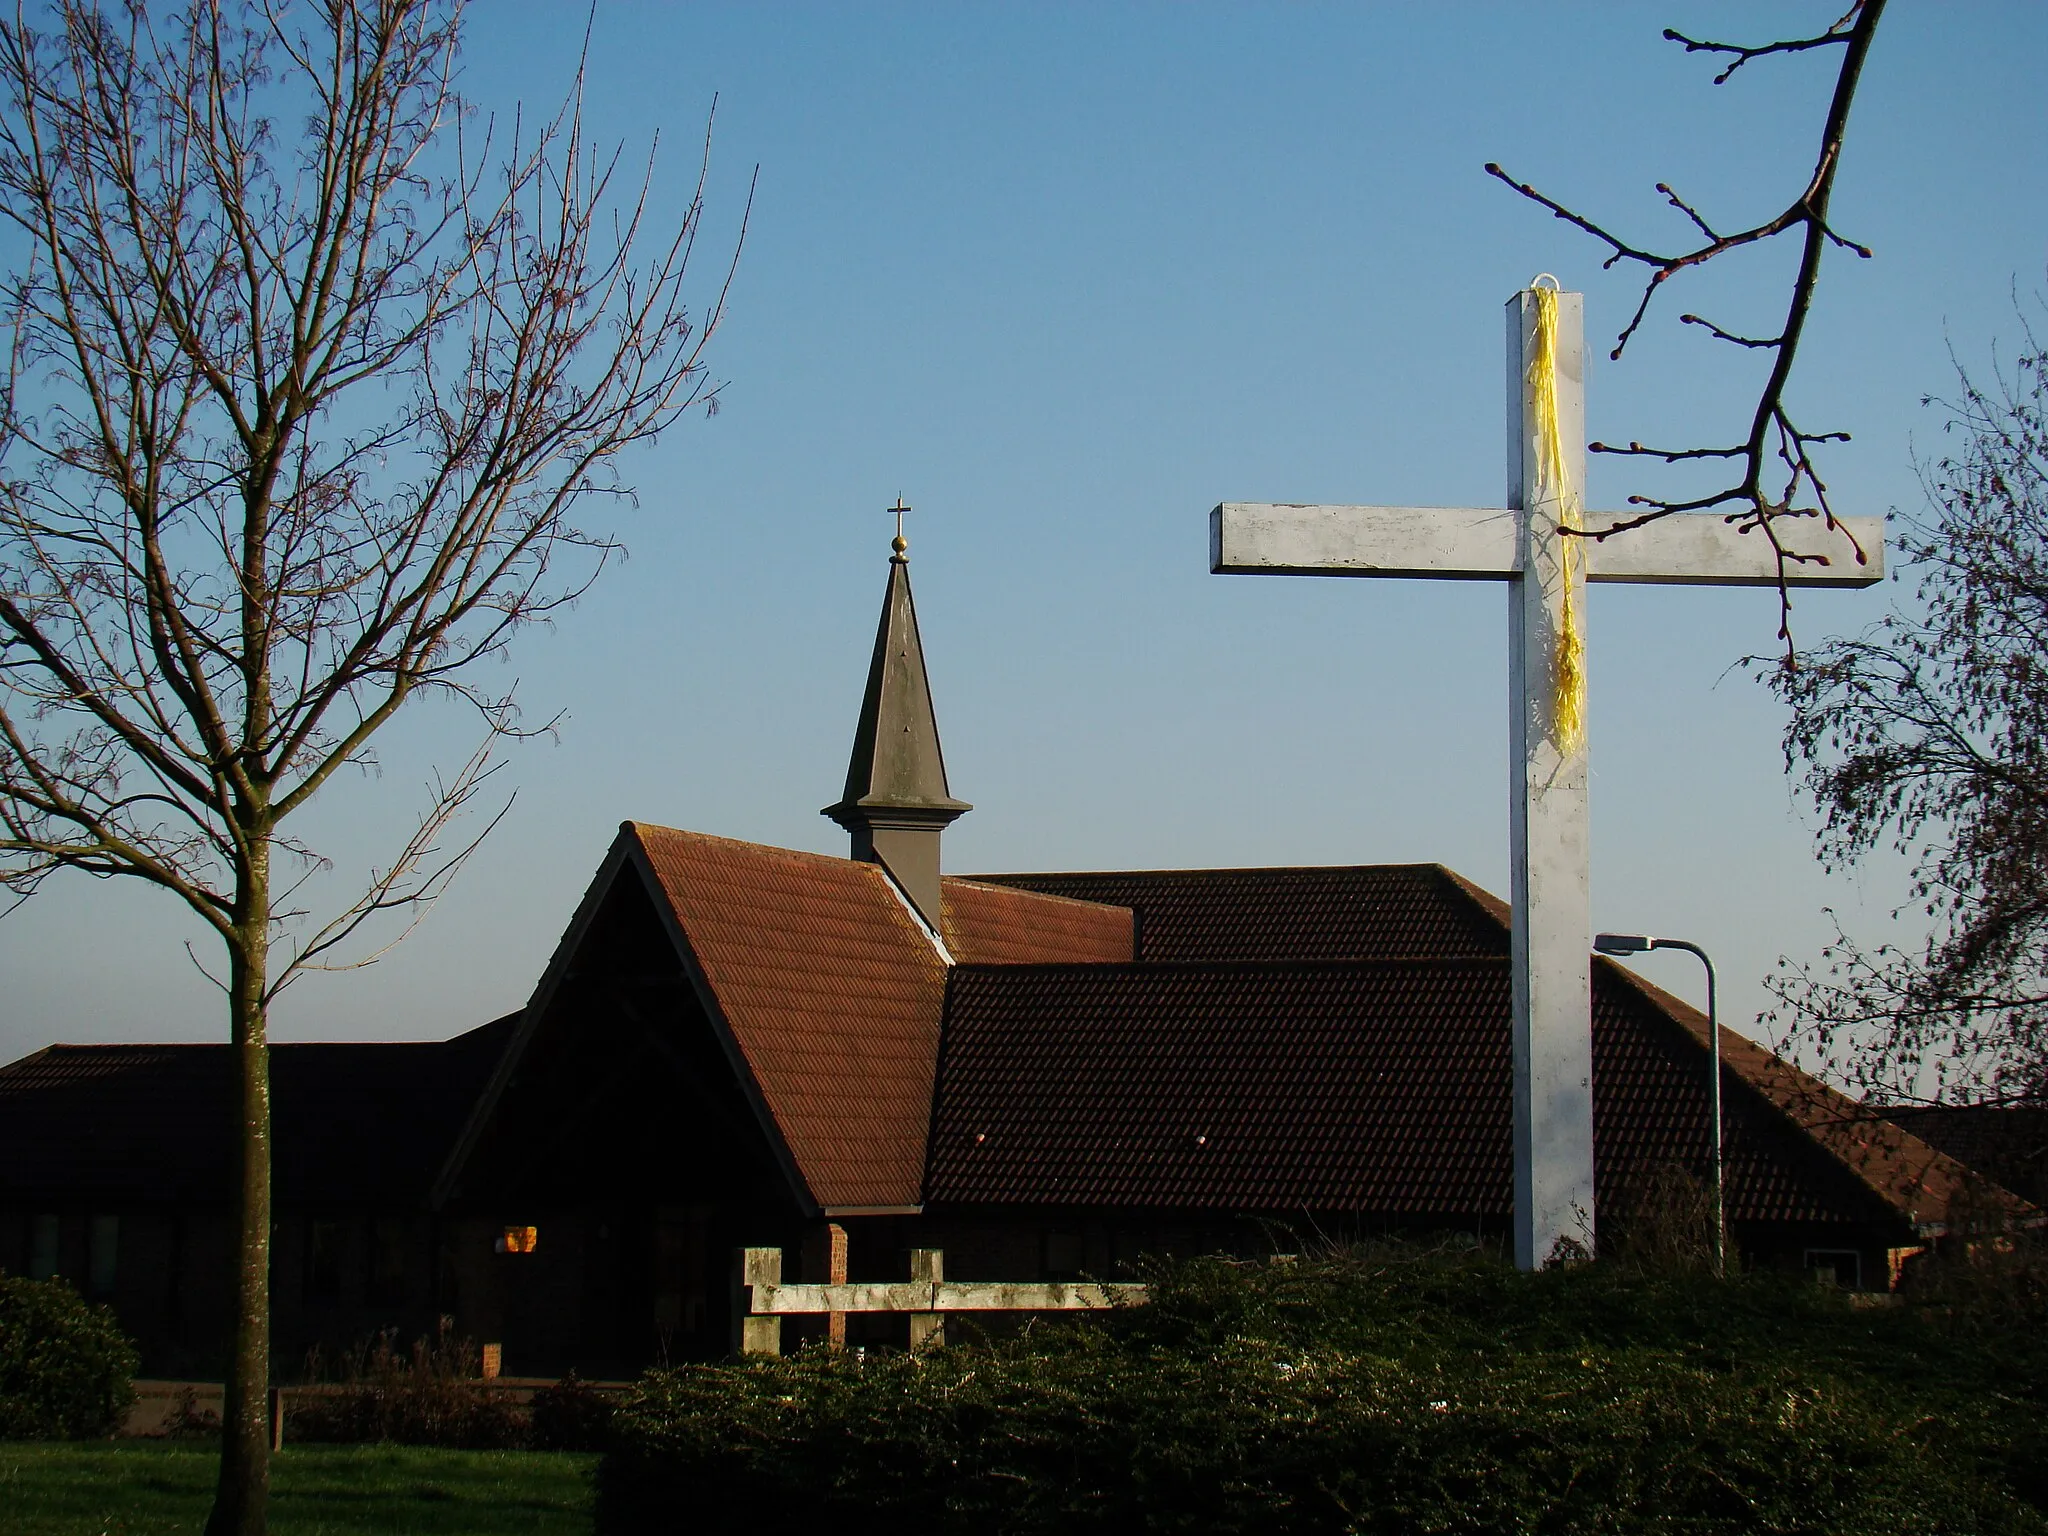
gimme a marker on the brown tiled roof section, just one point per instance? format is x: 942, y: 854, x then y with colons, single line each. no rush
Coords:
x: 832, y: 992
x: 2006, y: 1142
x: 1248, y: 1086
x: 1004, y: 925
x: 1359, y: 912
x: 1912, y: 1177
x: 1651, y: 1110
x: 1378, y: 1087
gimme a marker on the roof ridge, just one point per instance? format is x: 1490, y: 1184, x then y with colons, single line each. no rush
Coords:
x: 1232, y: 869
x: 1491, y: 905
x: 805, y: 855
x: 1320, y: 963
x: 1011, y: 890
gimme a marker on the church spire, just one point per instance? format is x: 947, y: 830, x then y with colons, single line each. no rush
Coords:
x: 896, y: 803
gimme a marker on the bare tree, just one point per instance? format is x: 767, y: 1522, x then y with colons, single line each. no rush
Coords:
x: 1929, y: 734
x: 310, y: 372
x: 1774, y: 461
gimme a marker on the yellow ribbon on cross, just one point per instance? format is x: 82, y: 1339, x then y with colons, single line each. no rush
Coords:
x: 1568, y: 670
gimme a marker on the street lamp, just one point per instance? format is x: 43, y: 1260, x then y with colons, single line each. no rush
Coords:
x: 1643, y: 943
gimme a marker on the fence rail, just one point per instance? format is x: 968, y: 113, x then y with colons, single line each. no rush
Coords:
x: 925, y: 1298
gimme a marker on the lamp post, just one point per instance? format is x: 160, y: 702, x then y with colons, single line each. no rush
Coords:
x: 1643, y: 943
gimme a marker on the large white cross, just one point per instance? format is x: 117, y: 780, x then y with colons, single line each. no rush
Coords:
x: 1519, y: 544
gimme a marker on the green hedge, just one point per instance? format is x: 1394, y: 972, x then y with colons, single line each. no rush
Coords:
x: 66, y: 1369
x: 1359, y: 1394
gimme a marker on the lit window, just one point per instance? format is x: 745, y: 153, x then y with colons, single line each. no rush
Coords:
x: 518, y: 1240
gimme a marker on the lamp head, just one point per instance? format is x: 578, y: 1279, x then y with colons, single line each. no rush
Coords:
x: 1623, y: 943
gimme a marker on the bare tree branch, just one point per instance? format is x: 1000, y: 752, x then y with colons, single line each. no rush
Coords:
x: 1838, y: 33
x: 1774, y: 443
x: 309, y: 373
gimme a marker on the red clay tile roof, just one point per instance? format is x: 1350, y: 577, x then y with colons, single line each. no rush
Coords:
x: 999, y: 925
x: 1377, y: 1087
x: 1356, y: 912
x: 1339, y: 1036
x: 1244, y: 1086
x: 1904, y: 1171
x: 1273, y: 1049
x: 833, y: 991
x: 355, y: 1124
x: 1427, y: 911
x: 2006, y: 1142
x: 1651, y: 1109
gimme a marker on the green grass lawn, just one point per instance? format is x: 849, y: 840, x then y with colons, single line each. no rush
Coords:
x: 131, y: 1488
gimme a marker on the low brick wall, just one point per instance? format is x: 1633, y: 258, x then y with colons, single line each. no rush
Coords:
x: 157, y: 1403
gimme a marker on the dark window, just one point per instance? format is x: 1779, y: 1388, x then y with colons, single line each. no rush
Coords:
x: 1844, y: 1266
x: 42, y: 1247
x: 323, y: 1263
x: 102, y: 1254
x: 1063, y: 1255
x: 387, y: 1261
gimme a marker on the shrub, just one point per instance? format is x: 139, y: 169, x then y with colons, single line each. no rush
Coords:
x: 1663, y: 1222
x: 430, y: 1395
x: 1383, y: 1391
x: 186, y: 1420
x: 571, y: 1415
x: 1988, y: 1283
x: 66, y: 1368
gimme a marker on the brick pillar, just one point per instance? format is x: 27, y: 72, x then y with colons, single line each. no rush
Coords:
x: 825, y: 1257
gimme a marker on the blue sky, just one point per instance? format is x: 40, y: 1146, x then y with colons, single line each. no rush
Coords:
x: 1064, y: 277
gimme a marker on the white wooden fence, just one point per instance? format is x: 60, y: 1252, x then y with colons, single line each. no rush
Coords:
x: 764, y: 1301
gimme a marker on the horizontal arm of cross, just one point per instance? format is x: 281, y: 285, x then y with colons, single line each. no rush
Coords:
x: 1480, y: 544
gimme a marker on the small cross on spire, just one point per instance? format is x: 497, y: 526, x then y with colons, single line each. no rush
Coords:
x: 899, y: 543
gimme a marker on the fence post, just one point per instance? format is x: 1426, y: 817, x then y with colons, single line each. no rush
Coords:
x: 755, y: 1335
x: 835, y: 1274
x: 927, y: 1267
x: 277, y: 1418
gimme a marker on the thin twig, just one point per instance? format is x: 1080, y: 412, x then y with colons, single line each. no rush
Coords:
x: 1773, y: 436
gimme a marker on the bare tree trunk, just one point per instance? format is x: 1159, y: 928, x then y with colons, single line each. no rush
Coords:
x: 241, y: 1500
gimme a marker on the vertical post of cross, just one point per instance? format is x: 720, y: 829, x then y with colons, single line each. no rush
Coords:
x: 756, y: 1270
x: 1552, y: 923
x: 927, y: 1268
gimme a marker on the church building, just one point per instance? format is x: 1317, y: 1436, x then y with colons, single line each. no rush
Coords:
x: 1046, y: 1075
